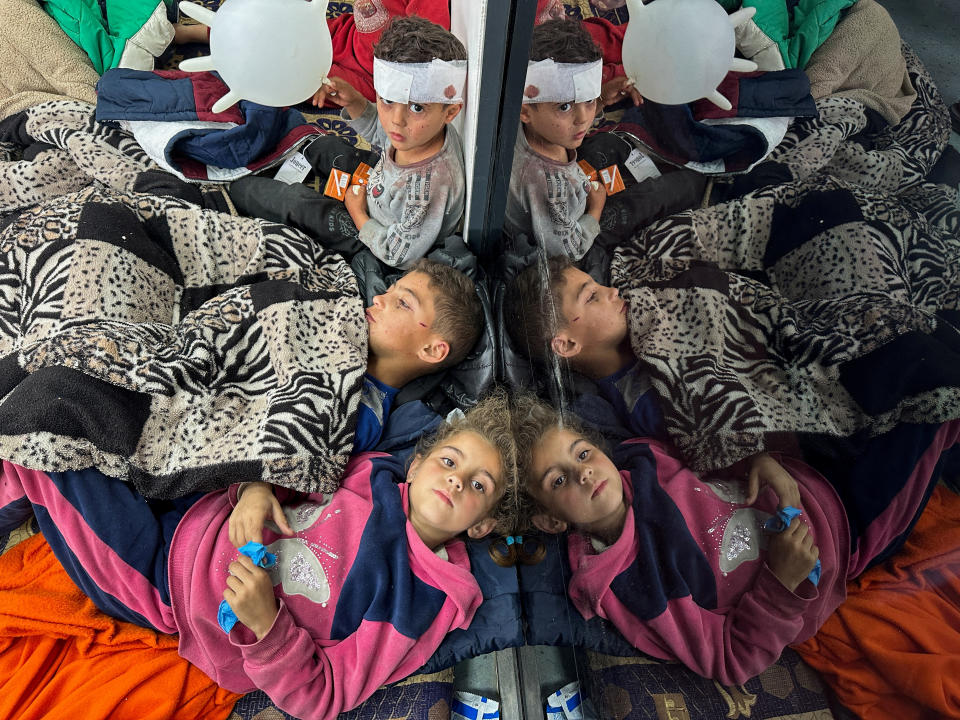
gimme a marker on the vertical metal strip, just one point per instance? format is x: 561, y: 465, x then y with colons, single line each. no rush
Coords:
x: 506, y: 47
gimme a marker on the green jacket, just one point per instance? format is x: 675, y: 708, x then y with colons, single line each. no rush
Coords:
x: 132, y: 32
x: 797, y: 32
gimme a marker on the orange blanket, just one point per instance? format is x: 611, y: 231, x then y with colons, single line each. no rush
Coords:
x: 892, y: 650
x: 60, y: 657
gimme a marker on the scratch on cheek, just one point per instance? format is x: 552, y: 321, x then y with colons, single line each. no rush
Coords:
x: 575, y: 319
x: 422, y: 324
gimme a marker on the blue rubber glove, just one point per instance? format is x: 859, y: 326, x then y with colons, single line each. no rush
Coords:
x: 780, y: 522
x: 226, y: 618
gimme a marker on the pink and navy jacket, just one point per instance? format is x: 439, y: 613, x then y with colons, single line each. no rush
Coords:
x: 687, y: 578
x: 363, y: 601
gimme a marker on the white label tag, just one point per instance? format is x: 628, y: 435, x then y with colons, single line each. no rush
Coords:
x: 641, y: 166
x: 294, y: 169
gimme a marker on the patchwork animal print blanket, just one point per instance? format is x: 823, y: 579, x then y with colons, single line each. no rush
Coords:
x: 829, y: 303
x: 174, y: 346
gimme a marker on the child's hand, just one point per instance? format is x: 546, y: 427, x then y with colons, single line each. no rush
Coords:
x: 192, y: 33
x: 256, y: 505
x: 791, y: 555
x: 339, y: 92
x: 355, y: 201
x: 764, y: 470
x: 249, y: 592
x: 596, y: 199
x: 615, y: 90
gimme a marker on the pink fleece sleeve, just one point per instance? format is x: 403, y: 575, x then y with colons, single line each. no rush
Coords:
x: 731, y: 646
x: 316, y: 682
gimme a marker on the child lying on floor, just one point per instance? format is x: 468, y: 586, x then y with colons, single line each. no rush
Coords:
x: 682, y: 566
x: 428, y: 320
x: 416, y: 191
x: 565, y: 312
x: 367, y: 582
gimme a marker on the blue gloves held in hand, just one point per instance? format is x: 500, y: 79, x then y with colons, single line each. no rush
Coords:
x: 226, y: 618
x: 780, y: 522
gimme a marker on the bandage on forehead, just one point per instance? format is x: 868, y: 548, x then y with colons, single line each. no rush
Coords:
x: 549, y: 81
x: 438, y: 81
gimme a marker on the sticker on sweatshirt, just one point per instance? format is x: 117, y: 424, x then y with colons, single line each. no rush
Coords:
x: 300, y: 567
x: 298, y: 570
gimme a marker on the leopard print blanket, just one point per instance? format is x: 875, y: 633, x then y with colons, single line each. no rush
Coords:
x: 173, y: 346
x: 829, y: 303
x: 840, y: 141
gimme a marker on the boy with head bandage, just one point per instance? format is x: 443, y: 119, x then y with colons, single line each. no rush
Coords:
x: 414, y: 194
x: 550, y: 196
x: 552, y: 201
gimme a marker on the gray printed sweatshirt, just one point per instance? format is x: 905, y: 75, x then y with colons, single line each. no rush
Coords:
x: 410, y: 206
x: 548, y: 200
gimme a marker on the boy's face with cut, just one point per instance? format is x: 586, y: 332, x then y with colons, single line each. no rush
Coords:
x: 454, y: 488
x: 575, y: 482
x: 400, y: 319
x: 411, y: 126
x: 559, y: 124
x: 595, y: 315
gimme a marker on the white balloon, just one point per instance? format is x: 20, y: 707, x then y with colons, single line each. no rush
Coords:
x: 678, y: 51
x: 271, y: 52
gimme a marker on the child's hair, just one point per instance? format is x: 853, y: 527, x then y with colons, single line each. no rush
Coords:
x: 531, y: 419
x: 415, y: 39
x: 563, y: 41
x: 458, y: 315
x: 490, y: 419
x: 533, y: 307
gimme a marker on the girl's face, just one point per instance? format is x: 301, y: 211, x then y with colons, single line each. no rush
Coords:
x: 576, y: 483
x: 454, y: 488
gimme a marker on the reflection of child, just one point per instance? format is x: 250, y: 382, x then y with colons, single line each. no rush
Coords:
x: 586, y: 324
x: 416, y: 191
x: 551, y: 199
x: 367, y: 583
x: 681, y: 566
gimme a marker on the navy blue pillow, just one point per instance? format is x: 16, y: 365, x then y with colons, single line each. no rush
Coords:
x: 496, y: 624
x: 551, y: 619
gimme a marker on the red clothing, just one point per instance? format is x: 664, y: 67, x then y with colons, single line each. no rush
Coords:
x: 355, y: 34
x: 607, y: 36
